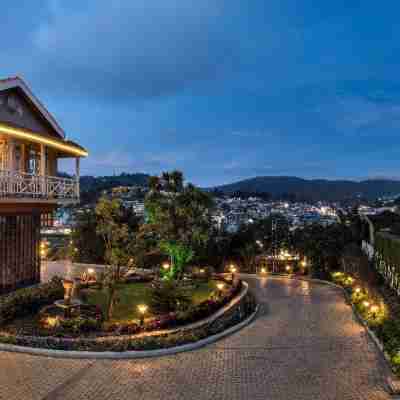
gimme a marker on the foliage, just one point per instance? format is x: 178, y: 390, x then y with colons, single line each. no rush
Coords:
x: 115, y: 235
x: 125, y: 343
x: 323, y: 246
x: 168, y: 296
x: 177, y: 212
x: 28, y: 301
x: 87, y: 244
x: 180, y: 255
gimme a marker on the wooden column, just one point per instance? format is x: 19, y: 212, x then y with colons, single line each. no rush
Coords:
x: 11, y: 154
x: 43, y: 168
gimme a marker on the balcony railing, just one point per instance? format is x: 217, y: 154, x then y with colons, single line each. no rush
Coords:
x: 16, y: 184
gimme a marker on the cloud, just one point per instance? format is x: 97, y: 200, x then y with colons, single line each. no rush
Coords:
x: 132, y: 48
x: 121, y: 161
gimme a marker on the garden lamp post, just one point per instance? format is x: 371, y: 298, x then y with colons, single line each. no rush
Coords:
x: 220, y: 287
x: 233, y: 270
x: 142, y: 310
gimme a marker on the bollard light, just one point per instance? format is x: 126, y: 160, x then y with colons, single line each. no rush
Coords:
x: 220, y: 287
x: 142, y: 310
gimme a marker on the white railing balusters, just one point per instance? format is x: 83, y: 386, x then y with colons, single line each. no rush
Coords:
x: 15, y: 184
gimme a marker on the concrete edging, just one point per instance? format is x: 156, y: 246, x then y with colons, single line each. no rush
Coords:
x: 132, y: 354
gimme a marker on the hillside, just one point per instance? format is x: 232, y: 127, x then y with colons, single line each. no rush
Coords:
x: 314, y: 189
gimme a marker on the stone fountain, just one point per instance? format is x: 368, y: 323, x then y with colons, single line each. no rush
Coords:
x: 70, y: 301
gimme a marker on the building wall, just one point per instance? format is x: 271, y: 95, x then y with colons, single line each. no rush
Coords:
x: 18, y: 111
x: 19, y: 251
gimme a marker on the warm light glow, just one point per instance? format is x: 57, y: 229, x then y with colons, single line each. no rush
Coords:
x: 202, y: 270
x: 263, y: 271
x: 304, y: 264
x: 374, y: 309
x: 287, y: 267
x: 52, y: 321
x: 165, y: 266
x: 90, y: 271
x: 220, y: 286
x: 43, y: 253
x: 25, y: 134
x: 357, y: 290
x: 366, y: 303
x: 233, y: 269
x: 142, y: 308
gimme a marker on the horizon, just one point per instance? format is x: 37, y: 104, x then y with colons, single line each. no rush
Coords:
x: 377, y: 178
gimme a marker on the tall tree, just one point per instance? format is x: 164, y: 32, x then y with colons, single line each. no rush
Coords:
x: 115, y: 235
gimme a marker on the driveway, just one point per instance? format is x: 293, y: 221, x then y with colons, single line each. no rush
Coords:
x: 304, y: 344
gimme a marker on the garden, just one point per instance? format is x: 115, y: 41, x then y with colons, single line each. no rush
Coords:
x: 122, y: 306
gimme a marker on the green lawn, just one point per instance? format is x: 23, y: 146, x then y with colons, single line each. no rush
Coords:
x: 132, y: 294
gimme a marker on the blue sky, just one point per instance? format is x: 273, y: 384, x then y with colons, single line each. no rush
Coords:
x: 222, y: 90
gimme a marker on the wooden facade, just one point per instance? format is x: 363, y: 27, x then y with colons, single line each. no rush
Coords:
x: 19, y: 251
x: 31, y: 142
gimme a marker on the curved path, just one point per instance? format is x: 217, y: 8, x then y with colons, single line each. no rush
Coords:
x: 304, y: 344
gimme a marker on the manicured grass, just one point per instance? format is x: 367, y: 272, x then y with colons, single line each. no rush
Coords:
x: 130, y: 295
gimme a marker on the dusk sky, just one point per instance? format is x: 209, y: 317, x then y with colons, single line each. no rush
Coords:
x: 222, y: 90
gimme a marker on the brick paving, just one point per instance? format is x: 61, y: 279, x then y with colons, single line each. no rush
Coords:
x: 304, y: 344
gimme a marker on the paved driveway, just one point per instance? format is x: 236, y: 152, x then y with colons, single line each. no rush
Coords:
x: 303, y: 345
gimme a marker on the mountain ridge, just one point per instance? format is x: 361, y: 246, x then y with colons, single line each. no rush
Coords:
x: 314, y: 189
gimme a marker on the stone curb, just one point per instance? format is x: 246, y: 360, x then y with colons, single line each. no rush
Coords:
x: 126, y: 355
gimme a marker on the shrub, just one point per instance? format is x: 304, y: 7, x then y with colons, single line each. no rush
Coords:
x: 29, y: 300
x: 167, y: 296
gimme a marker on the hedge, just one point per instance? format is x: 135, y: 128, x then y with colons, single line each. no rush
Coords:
x: 29, y: 300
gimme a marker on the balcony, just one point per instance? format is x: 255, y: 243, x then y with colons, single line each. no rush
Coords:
x: 17, y: 185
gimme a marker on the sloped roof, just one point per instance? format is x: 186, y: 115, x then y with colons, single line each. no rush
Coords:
x: 17, y: 82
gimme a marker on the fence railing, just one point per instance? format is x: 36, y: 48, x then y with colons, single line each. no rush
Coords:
x: 16, y: 184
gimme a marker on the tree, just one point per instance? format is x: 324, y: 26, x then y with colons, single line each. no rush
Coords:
x: 178, y: 213
x: 115, y: 235
x: 180, y: 255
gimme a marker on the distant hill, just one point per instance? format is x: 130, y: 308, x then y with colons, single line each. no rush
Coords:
x: 89, y: 183
x: 314, y: 189
x: 92, y: 187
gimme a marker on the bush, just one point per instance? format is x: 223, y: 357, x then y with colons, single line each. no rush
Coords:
x: 29, y: 300
x: 167, y: 296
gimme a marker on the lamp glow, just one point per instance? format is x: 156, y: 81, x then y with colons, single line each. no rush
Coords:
x: 165, y: 266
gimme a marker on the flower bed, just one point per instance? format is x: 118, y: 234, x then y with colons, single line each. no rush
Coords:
x: 128, y: 339
x: 377, y: 314
x: 84, y: 333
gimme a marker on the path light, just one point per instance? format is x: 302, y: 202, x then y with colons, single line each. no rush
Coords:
x: 366, y: 304
x: 374, y: 309
x: 357, y: 290
x: 220, y: 287
x: 142, y: 309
